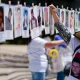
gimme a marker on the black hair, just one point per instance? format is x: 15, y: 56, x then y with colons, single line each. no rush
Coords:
x: 18, y: 8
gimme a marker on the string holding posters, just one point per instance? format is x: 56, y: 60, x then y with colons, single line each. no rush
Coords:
x: 34, y: 28
x: 17, y: 20
x: 2, y: 31
x: 46, y: 19
x: 8, y: 22
x: 25, y: 22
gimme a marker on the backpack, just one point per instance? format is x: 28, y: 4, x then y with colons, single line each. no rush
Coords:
x: 68, y: 65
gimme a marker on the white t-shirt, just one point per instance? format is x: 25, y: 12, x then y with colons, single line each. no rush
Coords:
x: 74, y: 42
x: 36, y: 55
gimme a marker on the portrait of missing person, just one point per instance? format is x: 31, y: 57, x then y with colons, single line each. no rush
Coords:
x: 1, y: 19
x: 67, y: 18
x: 71, y: 19
x: 39, y: 18
x: 58, y: 12
x: 62, y: 16
x: 76, y: 19
x: 33, y: 20
x: 18, y: 12
x: 79, y: 19
x: 25, y: 21
x: 8, y: 25
x: 46, y: 16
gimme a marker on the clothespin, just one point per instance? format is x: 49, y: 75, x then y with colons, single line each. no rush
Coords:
x: 25, y: 4
x: 76, y: 9
x: 39, y: 4
x: 57, y: 7
x: 18, y: 2
x: 32, y: 4
x: 62, y: 6
x: 45, y: 4
x: 9, y: 3
x: 71, y: 8
x: 67, y: 8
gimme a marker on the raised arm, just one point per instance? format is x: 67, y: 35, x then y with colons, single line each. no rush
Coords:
x: 63, y: 31
x: 53, y: 43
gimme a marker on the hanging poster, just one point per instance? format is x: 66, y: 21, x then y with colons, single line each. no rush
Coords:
x: 40, y: 19
x: 34, y: 28
x: 76, y: 20
x: 62, y: 16
x: 51, y: 24
x: 2, y: 33
x: 67, y: 19
x: 58, y: 12
x: 71, y: 21
x: 8, y: 24
x: 25, y: 22
x: 46, y: 19
x: 17, y: 20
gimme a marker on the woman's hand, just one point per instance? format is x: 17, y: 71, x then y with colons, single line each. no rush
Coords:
x: 53, y: 11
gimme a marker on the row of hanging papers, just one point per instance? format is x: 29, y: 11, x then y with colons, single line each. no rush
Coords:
x: 18, y: 20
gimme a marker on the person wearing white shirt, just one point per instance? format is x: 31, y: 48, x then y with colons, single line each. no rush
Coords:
x: 72, y: 40
x: 37, y: 57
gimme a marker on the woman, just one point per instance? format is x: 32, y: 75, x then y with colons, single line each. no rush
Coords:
x: 37, y: 57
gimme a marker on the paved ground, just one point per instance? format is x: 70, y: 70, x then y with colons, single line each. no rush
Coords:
x: 15, y: 69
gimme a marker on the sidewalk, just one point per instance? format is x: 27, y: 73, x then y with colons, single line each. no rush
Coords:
x: 11, y: 72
